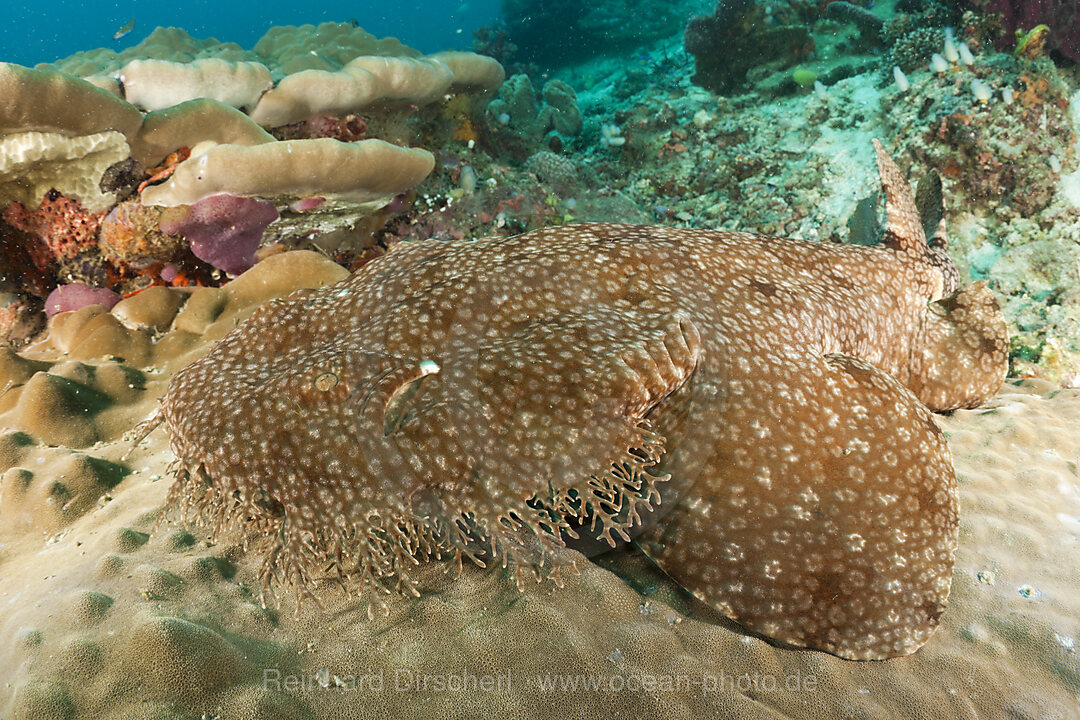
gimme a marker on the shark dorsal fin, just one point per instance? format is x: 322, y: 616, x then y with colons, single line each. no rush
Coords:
x: 903, y: 227
x: 930, y: 202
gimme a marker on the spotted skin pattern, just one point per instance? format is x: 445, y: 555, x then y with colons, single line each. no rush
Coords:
x: 483, y: 400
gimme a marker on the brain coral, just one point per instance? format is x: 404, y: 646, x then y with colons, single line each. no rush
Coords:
x: 479, y: 399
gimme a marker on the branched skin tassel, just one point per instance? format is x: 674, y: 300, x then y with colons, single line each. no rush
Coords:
x: 478, y: 400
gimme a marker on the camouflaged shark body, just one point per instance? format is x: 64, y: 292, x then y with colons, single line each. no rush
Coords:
x: 765, y: 402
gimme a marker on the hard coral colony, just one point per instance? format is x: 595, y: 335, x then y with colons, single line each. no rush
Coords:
x: 89, y: 154
x: 486, y: 400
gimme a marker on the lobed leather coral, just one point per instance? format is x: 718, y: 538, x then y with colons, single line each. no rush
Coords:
x: 488, y: 400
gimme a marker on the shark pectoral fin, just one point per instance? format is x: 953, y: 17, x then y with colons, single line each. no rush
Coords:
x: 826, y: 514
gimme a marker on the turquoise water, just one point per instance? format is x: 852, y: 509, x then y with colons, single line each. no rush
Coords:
x: 42, y: 32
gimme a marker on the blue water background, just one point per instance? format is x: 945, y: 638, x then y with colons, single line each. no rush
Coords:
x: 34, y: 32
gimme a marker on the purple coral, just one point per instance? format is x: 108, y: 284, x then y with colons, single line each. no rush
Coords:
x: 78, y: 295
x: 223, y: 230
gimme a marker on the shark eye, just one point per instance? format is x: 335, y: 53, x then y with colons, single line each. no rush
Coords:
x: 402, y: 397
x: 325, y: 382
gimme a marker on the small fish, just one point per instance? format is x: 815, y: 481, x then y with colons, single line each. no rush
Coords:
x: 128, y: 27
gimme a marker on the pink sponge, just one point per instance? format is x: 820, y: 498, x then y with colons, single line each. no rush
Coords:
x: 77, y: 295
x: 223, y: 230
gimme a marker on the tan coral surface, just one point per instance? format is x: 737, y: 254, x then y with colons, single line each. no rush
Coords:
x: 368, y: 172
x: 33, y: 163
x: 104, y: 615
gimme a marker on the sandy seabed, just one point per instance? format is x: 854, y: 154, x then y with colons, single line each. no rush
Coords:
x: 102, y: 615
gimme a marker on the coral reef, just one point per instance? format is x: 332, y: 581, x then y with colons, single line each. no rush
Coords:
x: 107, y: 606
x: 771, y: 156
x: 187, y: 124
x: 516, y: 112
x: 130, y: 237
x: 73, y: 152
x: 21, y: 319
x: 735, y: 38
x: 52, y: 102
x: 284, y: 49
x: 584, y: 29
x: 868, y: 23
x: 1020, y: 16
x: 160, y: 84
x: 988, y: 148
x: 918, y: 30
x: 327, y: 46
x: 364, y: 173
x: 284, y: 80
x: 348, y: 128
x: 34, y: 164
x: 555, y: 170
